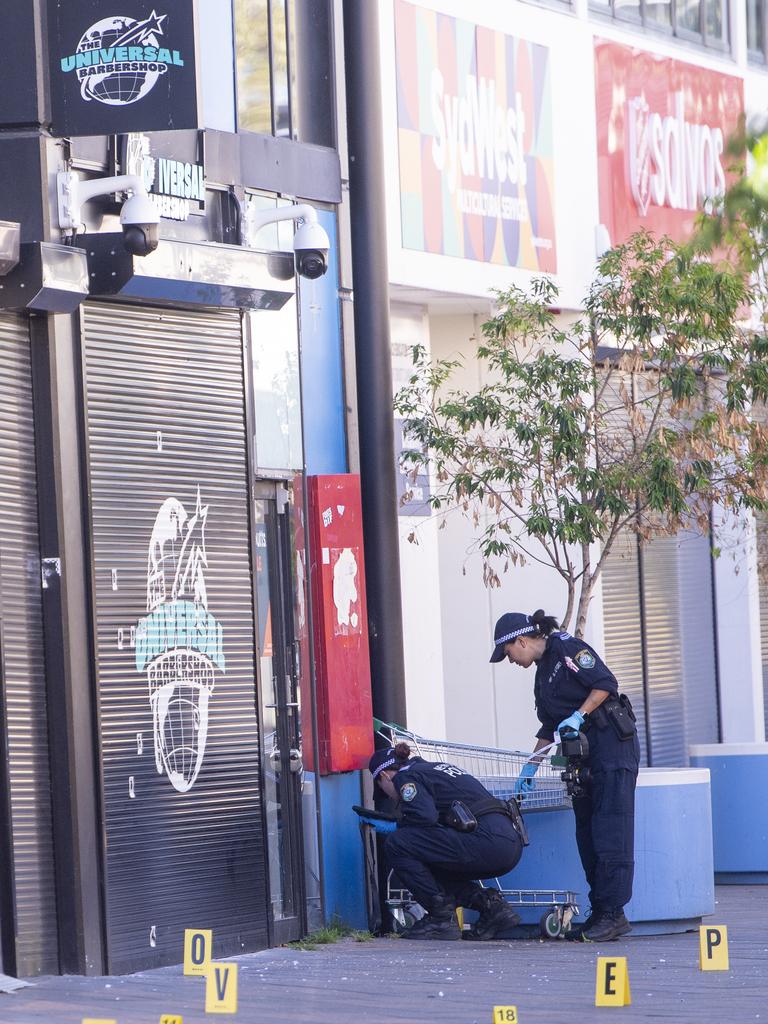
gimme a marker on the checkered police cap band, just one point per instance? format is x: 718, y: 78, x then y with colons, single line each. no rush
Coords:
x: 379, y: 768
x: 517, y: 632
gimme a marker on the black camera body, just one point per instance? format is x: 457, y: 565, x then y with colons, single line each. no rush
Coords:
x: 577, y: 775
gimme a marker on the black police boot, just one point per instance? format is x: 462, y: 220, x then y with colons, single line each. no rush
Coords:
x: 575, y: 932
x: 439, y: 924
x: 496, y: 917
x: 607, y: 926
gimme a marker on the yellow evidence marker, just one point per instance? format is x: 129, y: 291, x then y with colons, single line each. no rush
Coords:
x: 198, y: 943
x: 505, y: 1015
x: 713, y: 947
x: 171, y: 1018
x: 221, y: 989
x: 612, y: 986
x: 95, y: 1020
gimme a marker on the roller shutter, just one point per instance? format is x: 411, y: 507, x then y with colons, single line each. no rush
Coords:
x: 659, y: 634
x: 174, y: 631
x: 622, y: 620
x: 22, y: 660
x: 761, y: 534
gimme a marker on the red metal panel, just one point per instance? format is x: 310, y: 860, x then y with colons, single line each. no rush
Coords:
x: 337, y: 575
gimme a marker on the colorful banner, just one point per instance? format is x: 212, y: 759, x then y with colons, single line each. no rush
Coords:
x: 475, y: 137
x: 662, y: 130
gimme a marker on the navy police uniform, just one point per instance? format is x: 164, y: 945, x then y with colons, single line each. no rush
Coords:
x: 566, y: 673
x: 433, y: 860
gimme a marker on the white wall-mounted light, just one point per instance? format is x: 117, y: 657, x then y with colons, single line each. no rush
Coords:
x: 310, y: 243
x: 138, y: 217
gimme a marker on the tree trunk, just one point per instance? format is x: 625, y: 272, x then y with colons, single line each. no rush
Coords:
x: 569, y: 607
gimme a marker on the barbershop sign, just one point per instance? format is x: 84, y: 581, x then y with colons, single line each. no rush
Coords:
x: 122, y: 65
x: 662, y: 132
x: 475, y: 141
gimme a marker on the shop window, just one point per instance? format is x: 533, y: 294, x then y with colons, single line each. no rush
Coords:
x: 274, y: 345
x: 699, y: 21
x: 285, y: 69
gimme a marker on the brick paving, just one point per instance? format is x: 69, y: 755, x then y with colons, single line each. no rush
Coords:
x: 389, y: 981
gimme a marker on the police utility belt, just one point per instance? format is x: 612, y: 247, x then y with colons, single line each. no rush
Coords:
x: 464, y: 819
x: 616, y: 712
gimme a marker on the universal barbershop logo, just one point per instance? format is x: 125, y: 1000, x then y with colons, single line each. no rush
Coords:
x: 171, y: 184
x: 119, y: 60
x: 179, y: 643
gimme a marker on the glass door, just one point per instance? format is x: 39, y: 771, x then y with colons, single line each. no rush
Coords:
x: 282, y: 767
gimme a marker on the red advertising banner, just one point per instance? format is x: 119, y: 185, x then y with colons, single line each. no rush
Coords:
x: 476, y: 141
x: 662, y: 129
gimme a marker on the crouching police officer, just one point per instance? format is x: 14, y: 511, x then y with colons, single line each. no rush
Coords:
x: 575, y: 691
x: 450, y: 832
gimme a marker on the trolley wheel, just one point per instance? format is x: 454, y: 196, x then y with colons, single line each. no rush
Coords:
x: 551, y: 924
x: 402, y: 919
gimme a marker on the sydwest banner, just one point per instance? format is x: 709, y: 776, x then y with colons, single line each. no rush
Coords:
x: 475, y: 141
x: 662, y: 132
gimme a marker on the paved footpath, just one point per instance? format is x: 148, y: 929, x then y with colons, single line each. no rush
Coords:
x: 389, y: 981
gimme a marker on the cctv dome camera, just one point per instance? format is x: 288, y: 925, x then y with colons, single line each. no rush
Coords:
x: 141, y: 225
x: 311, y: 245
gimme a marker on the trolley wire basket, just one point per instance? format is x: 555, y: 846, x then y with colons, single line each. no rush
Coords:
x: 498, y: 770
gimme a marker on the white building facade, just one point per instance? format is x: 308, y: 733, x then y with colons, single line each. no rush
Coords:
x: 515, y: 135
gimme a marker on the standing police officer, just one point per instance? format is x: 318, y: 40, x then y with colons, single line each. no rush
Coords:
x: 574, y: 691
x: 450, y: 832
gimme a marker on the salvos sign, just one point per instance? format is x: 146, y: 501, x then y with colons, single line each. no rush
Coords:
x: 672, y: 162
x: 662, y: 128
x: 117, y: 66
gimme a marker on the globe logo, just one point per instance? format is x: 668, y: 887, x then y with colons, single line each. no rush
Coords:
x: 119, y: 60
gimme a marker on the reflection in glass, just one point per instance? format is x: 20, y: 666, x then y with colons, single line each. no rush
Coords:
x: 275, y: 352
x: 627, y: 9
x: 755, y: 25
x: 280, y: 84
x: 659, y: 12
x: 689, y: 15
x: 715, y: 18
x: 254, y: 105
x: 281, y: 890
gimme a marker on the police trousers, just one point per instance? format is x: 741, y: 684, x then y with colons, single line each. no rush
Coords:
x: 605, y: 835
x: 437, y: 861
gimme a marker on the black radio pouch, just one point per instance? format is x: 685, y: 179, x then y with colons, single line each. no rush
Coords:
x: 460, y: 817
x: 621, y: 717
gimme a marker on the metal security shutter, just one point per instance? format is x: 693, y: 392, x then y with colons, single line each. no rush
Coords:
x: 21, y: 651
x: 761, y: 536
x: 661, y: 601
x: 697, y: 640
x: 622, y: 619
x: 662, y: 598
x: 170, y: 530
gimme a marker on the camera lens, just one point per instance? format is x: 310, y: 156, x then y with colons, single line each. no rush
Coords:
x: 312, y: 265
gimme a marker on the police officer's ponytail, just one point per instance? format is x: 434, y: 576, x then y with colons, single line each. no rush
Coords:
x: 545, y: 624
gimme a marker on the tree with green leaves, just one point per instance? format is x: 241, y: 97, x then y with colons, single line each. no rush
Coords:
x: 632, y: 417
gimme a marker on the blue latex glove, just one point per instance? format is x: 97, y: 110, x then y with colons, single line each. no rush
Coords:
x: 379, y: 824
x: 569, y: 727
x: 524, y: 784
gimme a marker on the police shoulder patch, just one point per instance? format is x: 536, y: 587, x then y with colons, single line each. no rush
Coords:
x: 408, y: 792
x: 585, y: 659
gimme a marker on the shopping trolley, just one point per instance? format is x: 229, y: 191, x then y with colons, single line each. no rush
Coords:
x: 498, y: 770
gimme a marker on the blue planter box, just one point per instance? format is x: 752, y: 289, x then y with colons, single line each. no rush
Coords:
x: 674, y: 875
x: 739, y: 774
